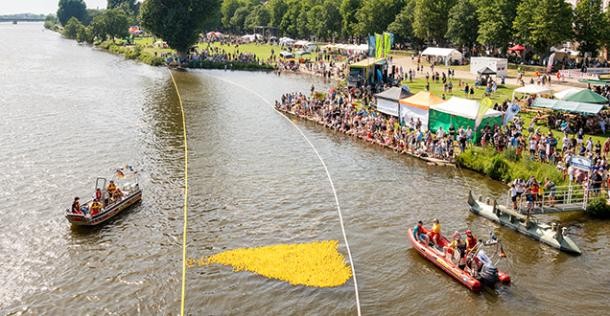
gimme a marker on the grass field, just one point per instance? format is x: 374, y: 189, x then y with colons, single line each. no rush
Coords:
x: 419, y: 84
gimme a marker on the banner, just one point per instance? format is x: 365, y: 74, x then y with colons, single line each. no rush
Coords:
x: 512, y: 111
x: 388, y: 41
x: 485, y: 105
x: 372, y: 47
x: 379, y: 45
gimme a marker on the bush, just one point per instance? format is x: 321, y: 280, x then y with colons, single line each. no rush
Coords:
x: 498, y: 169
x: 150, y: 59
x: 598, y: 208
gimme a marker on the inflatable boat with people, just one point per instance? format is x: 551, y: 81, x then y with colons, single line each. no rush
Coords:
x: 473, y: 267
x: 110, y: 199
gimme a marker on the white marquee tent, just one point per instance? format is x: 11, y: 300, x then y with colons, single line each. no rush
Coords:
x: 446, y: 55
x: 532, y: 89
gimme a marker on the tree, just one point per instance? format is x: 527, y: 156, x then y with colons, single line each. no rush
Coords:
x: 496, y: 21
x: 374, y: 16
x: 71, y: 8
x: 259, y: 16
x: 227, y: 10
x: 85, y: 34
x: 348, y: 11
x: 72, y: 27
x: 430, y: 19
x: 238, y: 20
x: 324, y: 20
x: 111, y: 23
x: 178, y: 22
x: 463, y: 25
x: 589, y: 24
x: 402, y: 25
x: 50, y: 22
x: 288, y: 25
x: 543, y: 23
x: 131, y: 4
x: 277, y: 10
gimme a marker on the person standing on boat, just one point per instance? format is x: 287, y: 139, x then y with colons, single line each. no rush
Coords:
x: 98, y: 194
x: 435, y: 233
x: 471, y: 240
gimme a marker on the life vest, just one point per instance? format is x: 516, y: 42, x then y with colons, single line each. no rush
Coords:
x: 111, y: 187
x: 436, y: 228
x: 98, y: 194
x: 471, y: 241
x: 96, y: 207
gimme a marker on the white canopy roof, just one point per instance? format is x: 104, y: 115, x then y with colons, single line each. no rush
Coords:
x: 464, y: 108
x: 443, y: 52
x: 533, y: 89
x: 567, y: 92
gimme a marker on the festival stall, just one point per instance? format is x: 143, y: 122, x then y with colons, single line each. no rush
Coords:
x: 388, y: 101
x: 568, y: 106
x: 532, y: 89
x: 444, y: 55
x: 498, y: 66
x: 417, y: 106
x: 461, y: 113
x: 586, y: 96
x: 566, y: 92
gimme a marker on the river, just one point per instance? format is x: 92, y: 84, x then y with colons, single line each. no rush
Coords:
x: 70, y: 113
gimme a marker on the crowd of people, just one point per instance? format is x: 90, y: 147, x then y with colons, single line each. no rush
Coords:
x: 340, y: 111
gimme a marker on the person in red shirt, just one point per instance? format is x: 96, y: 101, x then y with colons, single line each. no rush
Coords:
x: 471, y: 240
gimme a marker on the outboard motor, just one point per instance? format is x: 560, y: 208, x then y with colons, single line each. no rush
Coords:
x: 489, y: 273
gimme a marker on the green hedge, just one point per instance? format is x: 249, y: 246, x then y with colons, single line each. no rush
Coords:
x: 599, y: 208
x: 506, y: 166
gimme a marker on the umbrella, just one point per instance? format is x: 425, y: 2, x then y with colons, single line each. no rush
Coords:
x: 586, y: 96
x: 517, y: 48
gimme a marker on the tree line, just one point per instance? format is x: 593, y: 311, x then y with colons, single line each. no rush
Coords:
x: 473, y: 25
x: 469, y: 24
x: 85, y: 25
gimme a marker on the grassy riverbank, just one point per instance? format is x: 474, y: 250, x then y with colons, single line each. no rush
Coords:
x: 506, y: 166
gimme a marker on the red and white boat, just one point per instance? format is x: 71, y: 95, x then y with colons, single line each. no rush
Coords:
x: 438, y: 257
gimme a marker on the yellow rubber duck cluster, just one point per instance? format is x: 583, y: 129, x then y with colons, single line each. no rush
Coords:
x: 315, y: 264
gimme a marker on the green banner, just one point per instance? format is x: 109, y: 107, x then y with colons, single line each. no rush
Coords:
x: 387, y: 43
x: 379, y: 44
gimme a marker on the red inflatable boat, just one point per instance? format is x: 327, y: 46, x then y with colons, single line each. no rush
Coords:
x: 438, y: 258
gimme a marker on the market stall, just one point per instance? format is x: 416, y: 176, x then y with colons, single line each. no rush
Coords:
x: 461, y: 113
x: 417, y: 107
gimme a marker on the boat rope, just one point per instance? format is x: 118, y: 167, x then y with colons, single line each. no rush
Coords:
x: 330, y: 180
x: 186, y: 190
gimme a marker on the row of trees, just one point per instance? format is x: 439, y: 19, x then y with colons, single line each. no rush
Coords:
x: 85, y: 24
x: 491, y: 23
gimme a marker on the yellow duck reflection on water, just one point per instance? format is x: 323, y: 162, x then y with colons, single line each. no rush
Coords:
x: 315, y: 264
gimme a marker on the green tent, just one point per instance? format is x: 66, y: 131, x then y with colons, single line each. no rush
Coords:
x: 586, y: 96
x: 461, y: 113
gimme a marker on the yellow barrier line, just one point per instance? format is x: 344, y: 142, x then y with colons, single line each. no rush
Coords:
x: 186, y: 191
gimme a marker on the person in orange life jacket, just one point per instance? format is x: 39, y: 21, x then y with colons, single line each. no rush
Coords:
x: 471, y: 240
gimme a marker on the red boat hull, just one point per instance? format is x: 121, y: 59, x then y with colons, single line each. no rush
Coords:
x: 437, y: 257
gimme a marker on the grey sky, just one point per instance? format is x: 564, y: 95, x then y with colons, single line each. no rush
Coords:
x: 40, y: 6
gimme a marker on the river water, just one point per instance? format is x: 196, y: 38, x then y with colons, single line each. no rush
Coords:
x: 69, y: 113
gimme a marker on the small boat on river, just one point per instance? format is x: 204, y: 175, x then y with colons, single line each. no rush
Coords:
x: 110, y: 206
x: 551, y: 234
x: 463, y: 275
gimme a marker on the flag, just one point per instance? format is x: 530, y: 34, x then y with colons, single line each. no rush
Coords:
x: 372, y: 47
x: 388, y: 39
x: 485, y: 105
x: 379, y: 45
x: 511, y: 112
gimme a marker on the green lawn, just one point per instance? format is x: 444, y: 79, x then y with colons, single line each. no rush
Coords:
x: 419, y: 84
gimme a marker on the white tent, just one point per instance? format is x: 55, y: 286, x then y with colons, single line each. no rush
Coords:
x: 499, y: 65
x: 532, y: 89
x: 388, y: 101
x: 286, y: 41
x: 464, y: 108
x: 567, y: 92
x: 447, y: 55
